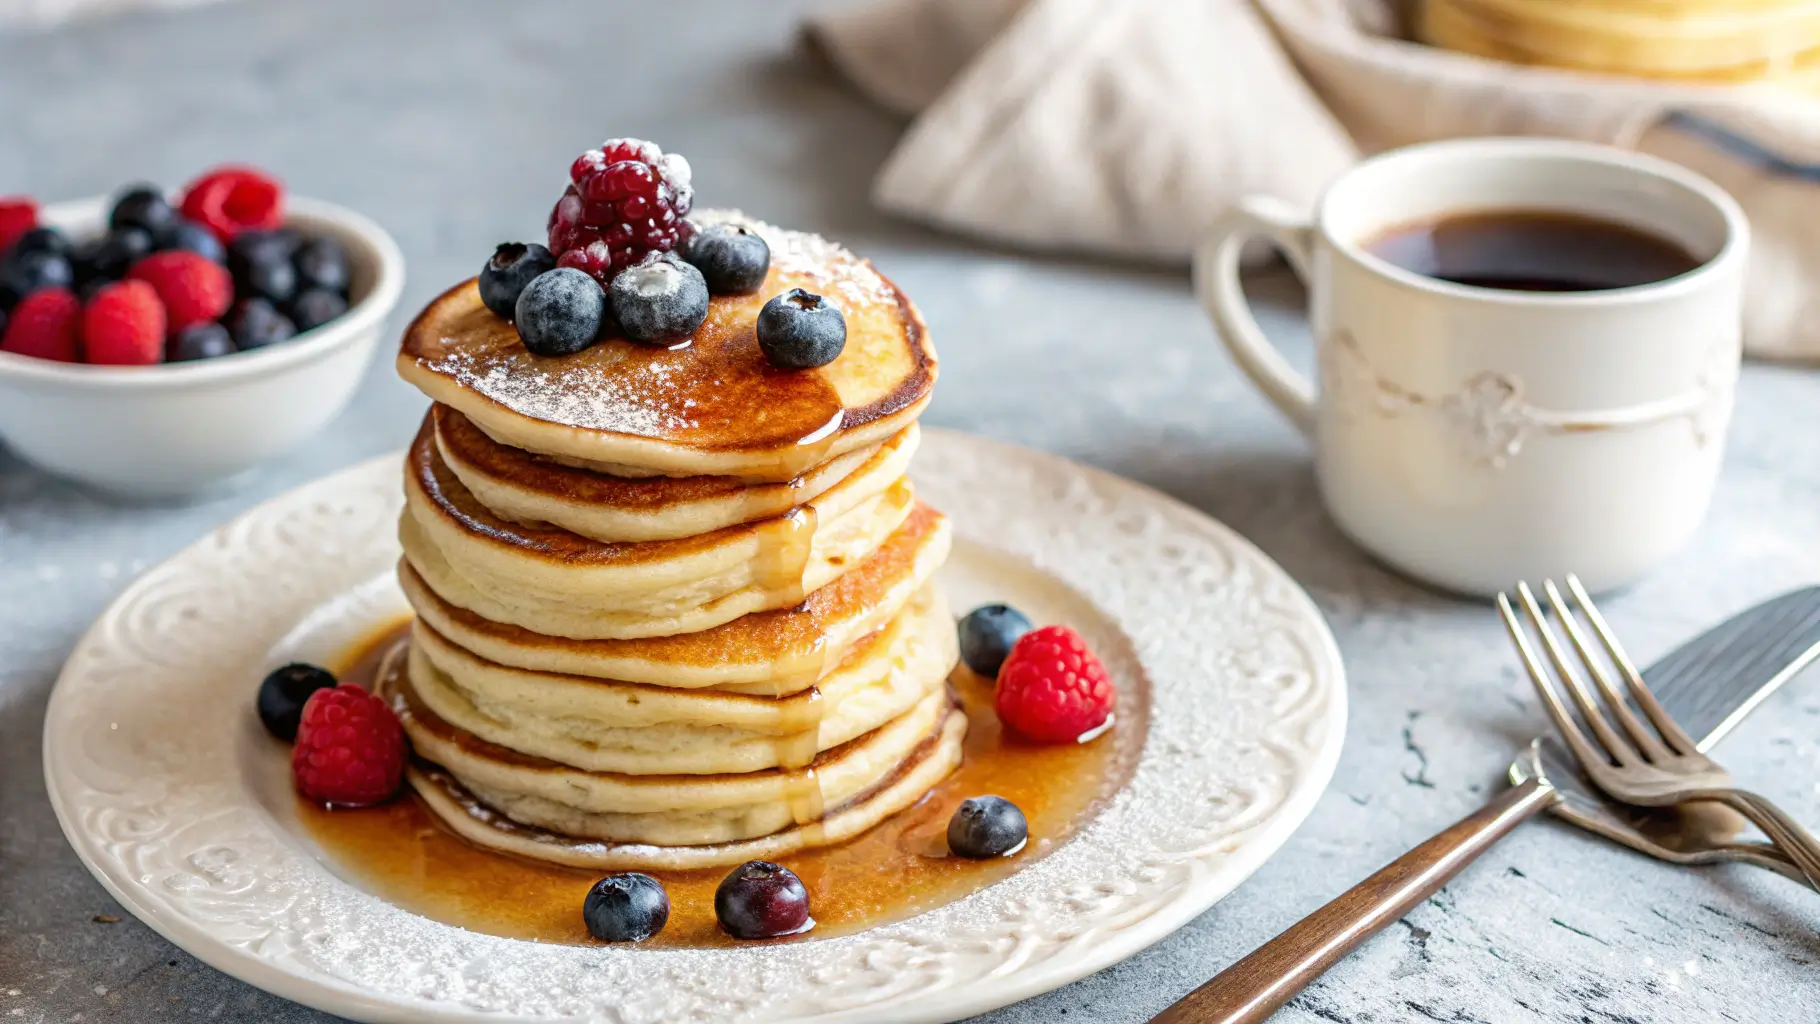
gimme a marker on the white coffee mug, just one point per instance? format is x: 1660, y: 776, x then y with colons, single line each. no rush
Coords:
x: 1472, y: 437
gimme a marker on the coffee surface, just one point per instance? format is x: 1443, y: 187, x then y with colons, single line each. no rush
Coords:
x: 1532, y: 251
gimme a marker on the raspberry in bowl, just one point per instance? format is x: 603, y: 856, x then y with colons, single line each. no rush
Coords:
x: 154, y: 354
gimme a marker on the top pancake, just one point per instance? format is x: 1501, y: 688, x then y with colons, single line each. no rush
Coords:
x: 712, y: 405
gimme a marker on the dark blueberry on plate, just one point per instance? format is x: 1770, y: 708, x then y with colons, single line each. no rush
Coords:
x: 800, y: 330
x: 731, y: 259
x: 986, y: 636
x: 660, y: 299
x: 117, y: 251
x: 321, y: 263
x: 629, y: 907
x: 42, y: 239
x: 199, y: 341
x: 282, y: 693
x: 559, y: 312
x: 22, y: 273
x: 317, y: 307
x: 143, y: 207
x: 984, y: 827
x: 512, y: 266
x: 762, y: 900
x: 193, y: 237
x: 2, y: 316
x: 256, y: 323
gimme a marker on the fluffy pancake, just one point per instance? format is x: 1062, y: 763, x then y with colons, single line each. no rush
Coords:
x: 527, y: 488
x: 711, y: 405
x: 560, y: 583
x: 487, y: 827
x: 602, y: 726
x: 668, y: 809
x: 769, y: 653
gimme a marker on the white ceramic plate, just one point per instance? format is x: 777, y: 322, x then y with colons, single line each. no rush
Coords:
x: 176, y: 800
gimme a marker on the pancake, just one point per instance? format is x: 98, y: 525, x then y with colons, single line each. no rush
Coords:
x: 527, y: 488
x: 484, y: 826
x: 1694, y: 41
x: 771, y: 653
x: 601, y: 726
x: 712, y: 405
x: 562, y: 584
x: 673, y: 809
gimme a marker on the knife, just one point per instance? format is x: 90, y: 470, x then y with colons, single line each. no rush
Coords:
x: 1709, y: 685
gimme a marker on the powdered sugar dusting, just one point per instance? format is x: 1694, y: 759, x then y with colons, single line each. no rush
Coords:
x: 832, y: 268
x: 643, y: 400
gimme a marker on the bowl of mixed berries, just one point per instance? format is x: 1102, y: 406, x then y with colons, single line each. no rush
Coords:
x: 156, y: 344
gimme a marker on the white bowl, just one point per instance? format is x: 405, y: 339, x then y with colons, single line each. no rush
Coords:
x: 177, y: 428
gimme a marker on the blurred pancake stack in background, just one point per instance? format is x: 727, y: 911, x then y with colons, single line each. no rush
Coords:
x: 1719, y: 42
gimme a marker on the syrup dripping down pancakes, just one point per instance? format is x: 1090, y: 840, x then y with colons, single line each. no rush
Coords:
x: 675, y: 605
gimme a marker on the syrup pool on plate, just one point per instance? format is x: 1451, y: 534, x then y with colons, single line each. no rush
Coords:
x: 897, y: 870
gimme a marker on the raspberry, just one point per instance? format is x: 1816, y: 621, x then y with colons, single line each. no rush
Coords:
x: 46, y: 324
x: 625, y: 199
x: 350, y: 749
x: 18, y: 214
x: 193, y: 288
x: 1052, y: 688
x: 124, y: 326
x: 230, y: 199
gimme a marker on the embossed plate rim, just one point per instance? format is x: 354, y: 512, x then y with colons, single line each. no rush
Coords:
x: 1130, y: 878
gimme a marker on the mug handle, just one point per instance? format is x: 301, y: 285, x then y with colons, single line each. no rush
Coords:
x: 1216, y: 284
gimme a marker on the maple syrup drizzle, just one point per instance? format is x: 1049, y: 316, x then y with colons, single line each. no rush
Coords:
x: 897, y: 870
x: 784, y: 550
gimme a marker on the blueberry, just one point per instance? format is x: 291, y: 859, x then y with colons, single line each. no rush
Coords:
x: 984, y: 827
x: 559, y: 312
x: 762, y: 900
x: 256, y: 323
x: 800, y: 330
x: 22, y: 273
x: 114, y: 253
x: 261, y: 264
x: 321, y: 263
x: 250, y: 247
x: 731, y: 259
x: 317, y: 307
x: 629, y: 907
x: 660, y: 299
x: 504, y: 276
x: 199, y: 341
x: 42, y: 239
x: 275, y: 280
x: 143, y: 207
x: 191, y: 236
x: 987, y: 634
x: 282, y: 693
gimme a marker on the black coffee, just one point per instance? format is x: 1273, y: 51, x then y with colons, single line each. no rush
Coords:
x: 1532, y: 251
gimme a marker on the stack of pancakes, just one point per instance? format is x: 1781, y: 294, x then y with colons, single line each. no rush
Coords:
x: 674, y: 606
x: 1706, y: 41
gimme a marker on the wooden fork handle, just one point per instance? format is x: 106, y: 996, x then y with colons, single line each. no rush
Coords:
x: 1255, y: 987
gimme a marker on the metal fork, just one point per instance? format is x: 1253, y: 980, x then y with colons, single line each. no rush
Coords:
x: 1633, y: 763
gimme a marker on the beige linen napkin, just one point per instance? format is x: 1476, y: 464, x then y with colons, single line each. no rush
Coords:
x: 1125, y: 126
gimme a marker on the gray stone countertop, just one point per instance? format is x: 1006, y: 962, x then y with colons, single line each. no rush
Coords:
x: 448, y: 121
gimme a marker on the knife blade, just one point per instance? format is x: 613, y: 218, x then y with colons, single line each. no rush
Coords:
x: 1709, y: 684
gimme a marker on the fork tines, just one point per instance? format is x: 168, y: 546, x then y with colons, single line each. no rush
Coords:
x: 1639, y: 742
